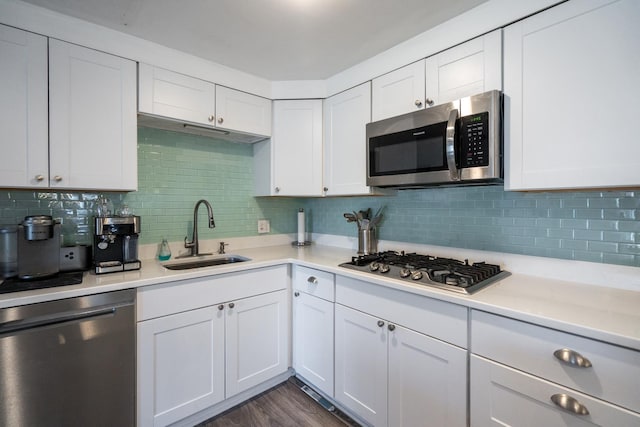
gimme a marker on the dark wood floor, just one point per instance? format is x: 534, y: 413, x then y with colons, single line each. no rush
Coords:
x: 282, y: 406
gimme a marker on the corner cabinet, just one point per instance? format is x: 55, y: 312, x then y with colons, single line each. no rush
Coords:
x: 345, y: 118
x: 571, y: 90
x: 202, y: 341
x: 467, y: 69
x: 290, y: 163
x: 184, y: 100
x: 90, y: 115
x: 400, y: 359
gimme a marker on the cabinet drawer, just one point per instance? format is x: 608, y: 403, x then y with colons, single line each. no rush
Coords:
x: 507, y: 397
x: 314, y: 282
x: 614, y: 374
x: 438, y: 319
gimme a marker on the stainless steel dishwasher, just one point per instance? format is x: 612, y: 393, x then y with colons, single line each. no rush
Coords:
x: 69, y: 362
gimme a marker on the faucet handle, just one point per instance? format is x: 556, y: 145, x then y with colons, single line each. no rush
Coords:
x: 221, y: 248
x: 187, y: 243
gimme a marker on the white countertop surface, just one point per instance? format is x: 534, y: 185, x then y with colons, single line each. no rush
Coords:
x: 604, y: 313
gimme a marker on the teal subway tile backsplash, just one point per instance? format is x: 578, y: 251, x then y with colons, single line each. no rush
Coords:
x: 175, y: 170
x: 588, y: 226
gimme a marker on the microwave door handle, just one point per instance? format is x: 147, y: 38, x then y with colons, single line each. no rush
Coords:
x: 454, y: 172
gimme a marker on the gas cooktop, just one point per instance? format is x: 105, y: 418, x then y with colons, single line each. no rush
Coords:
x: 443, y: 273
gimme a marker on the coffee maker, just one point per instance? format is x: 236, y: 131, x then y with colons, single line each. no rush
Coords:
x: 115, y: 244
x: 38, y: 247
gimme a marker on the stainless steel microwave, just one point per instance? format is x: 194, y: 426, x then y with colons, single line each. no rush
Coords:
x: 457, y: 143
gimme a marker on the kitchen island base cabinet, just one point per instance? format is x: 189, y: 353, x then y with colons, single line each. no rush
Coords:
x: 503, y: 396
x: 392, y: 376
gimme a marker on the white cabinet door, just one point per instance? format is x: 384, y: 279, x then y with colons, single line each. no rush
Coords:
x: 257, y: 340
x: 23, y: 109
x: 502, y: 396
x: 468, y: 69
x: 93, y: 124
x: 296, y: 147
x: 313, y: 340
x: 241, y: 111
x: 361, y: 364
x: 176, y: 96
x: 398, y: 92
x: 427, y: 381
x: 571, y: 97
x: 345, y: 117
x: 180, y: 365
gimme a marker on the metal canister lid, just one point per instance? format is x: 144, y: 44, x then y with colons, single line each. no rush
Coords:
x: 8, y: 229
x: 38, y: 220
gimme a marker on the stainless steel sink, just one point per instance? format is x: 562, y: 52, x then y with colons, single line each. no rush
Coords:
x: 208, y: 262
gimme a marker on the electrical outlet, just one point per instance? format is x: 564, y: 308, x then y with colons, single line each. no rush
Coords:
x: 263, y: 226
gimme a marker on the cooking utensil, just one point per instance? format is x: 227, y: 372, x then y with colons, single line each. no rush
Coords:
x: 350, y: 217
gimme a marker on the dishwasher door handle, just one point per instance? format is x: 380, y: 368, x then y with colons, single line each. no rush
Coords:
x: 52, y: 319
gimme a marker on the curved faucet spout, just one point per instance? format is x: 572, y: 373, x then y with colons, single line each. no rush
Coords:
x: 194, y: 244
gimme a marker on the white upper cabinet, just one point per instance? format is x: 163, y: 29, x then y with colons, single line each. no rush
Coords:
x: 345, y: 118
x: 467, y: 69
x: 182, y: 98
x: 571, y: 88
x: 75, y: 131
x: 398, y: 92
x: 23, y: 109
x: 242, y: 111
x: 290, y: 164
x: 93, y: 129
x: 168, y: 94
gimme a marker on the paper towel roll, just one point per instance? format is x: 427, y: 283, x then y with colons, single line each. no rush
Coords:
x: 301, y: 226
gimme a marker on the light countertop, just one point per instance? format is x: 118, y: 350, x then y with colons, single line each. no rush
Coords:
x: 603, y: 313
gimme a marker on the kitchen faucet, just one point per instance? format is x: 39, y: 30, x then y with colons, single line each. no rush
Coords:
x: 194, y: 244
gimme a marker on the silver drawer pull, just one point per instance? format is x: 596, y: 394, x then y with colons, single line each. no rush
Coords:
x: 312, y: 280
x: 569, y: 404
x: 572, y: 358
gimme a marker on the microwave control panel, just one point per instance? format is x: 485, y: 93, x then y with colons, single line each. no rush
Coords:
x: 474, y: 140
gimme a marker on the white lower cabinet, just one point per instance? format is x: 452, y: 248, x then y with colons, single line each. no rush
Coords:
x: 392, y: 365
x: 392, y: 376
x: 525, y: 374
x: 202, y: 341
x: 313, y: 311
x: 503, y: 396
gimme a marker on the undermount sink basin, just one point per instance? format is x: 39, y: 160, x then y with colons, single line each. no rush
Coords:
x: 208, y: 262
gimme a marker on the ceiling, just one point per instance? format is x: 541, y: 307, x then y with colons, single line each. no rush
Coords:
x: 273, y: 39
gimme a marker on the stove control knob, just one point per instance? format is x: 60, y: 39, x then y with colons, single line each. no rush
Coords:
x: 384, y: 268
x: 374, y: 266
x: 416, y: 275
x: 405, y: 272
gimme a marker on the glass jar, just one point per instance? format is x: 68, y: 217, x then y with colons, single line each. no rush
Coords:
x: 165, y: 251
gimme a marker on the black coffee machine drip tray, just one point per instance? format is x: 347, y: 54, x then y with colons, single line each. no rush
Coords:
x: 61, y: 279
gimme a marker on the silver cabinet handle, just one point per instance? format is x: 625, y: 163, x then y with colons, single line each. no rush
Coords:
x: 391, y: 327
x: 454, y: 173
x: 380, y: 323
x: 220, y: 120
x: 231, y: 305
x: 277, y: 189
x: 39, y: 178
x: 211, y: 118
x: 429, y: 101
x: 58, y: 178
x: 221, y: 307
x: 296, y: 294
x: 569, y: 404
x: 312, y: 280
x: 418, y: 103
x: 572, y: 358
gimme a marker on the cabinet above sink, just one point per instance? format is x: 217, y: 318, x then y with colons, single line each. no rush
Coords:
x: 172, y: 101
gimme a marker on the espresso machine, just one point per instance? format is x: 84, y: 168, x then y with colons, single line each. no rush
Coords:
x: 115, y: 243
x: 38, y: 241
